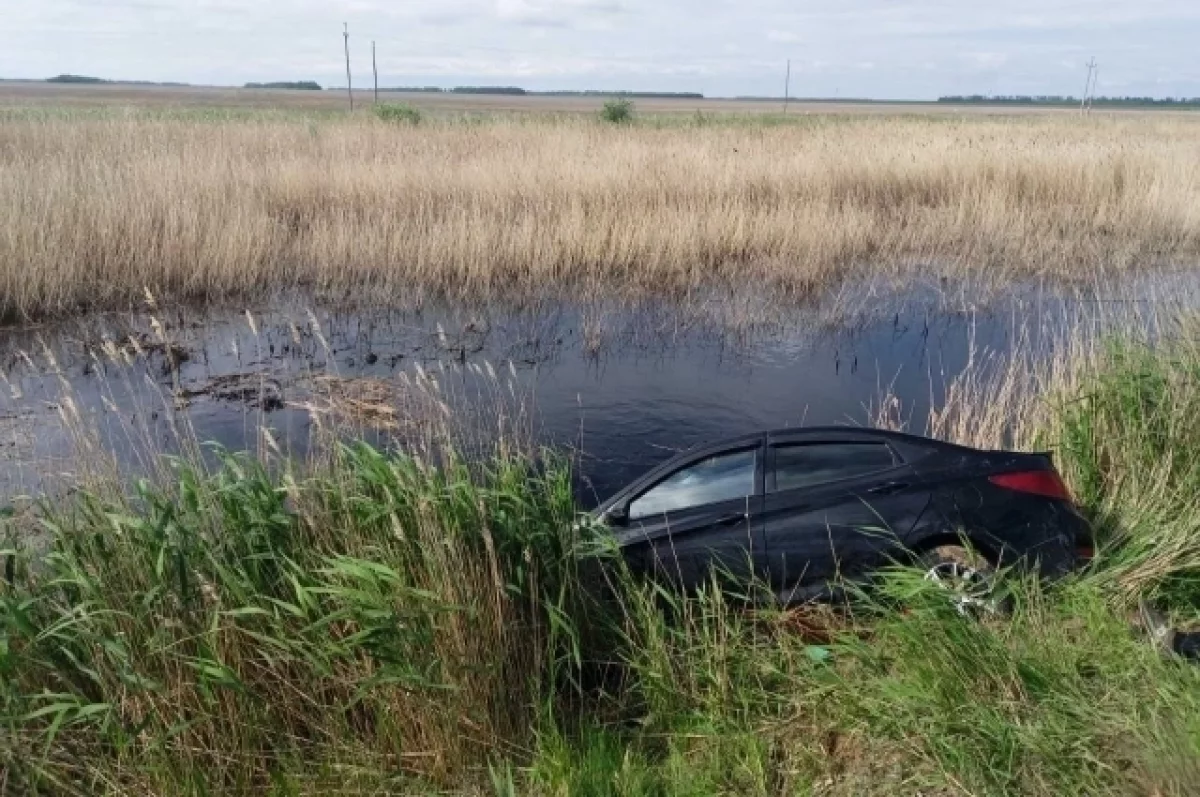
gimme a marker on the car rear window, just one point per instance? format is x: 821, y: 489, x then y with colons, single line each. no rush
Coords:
x: 810, y: 464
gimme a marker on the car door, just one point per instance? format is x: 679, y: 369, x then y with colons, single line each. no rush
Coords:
x: 834, y: 505
x: 702, y: 516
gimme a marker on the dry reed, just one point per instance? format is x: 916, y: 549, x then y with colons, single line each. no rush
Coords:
x: 96, y: 208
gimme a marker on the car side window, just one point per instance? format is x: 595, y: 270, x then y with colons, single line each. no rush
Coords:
x: 810, y: 464
x: 719, y: 478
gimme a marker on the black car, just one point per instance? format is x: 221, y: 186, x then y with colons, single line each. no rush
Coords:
x: 803, y: 508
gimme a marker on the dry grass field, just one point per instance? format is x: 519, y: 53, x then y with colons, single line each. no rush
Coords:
x: 99, y: 207
x: 16, y: 94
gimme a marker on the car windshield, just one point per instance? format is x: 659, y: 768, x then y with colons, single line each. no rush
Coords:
x: 720, y: 478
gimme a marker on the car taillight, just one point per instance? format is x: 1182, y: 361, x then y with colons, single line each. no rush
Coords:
x: 1037, y: 482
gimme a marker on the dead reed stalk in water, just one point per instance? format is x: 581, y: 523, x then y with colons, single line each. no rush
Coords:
x: 96, y: 208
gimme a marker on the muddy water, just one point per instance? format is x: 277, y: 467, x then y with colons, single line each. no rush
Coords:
x: 624, y: 388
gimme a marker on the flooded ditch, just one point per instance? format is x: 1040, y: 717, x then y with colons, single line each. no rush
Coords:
x: 623, y: 387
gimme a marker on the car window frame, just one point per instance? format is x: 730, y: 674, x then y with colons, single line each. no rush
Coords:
x: 770, y: 482
x: 658, y: 478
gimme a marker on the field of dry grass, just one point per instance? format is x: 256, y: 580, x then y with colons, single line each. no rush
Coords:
x: 18, y: 94
x: 98, y: 208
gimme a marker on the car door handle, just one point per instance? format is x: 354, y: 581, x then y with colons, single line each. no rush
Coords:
x: 889, y: 488
x: 729, y: 520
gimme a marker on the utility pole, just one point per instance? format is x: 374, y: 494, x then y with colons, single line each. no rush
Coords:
x: 1095, y: 82
x: 375, y: 69
x: 787, y: 87
x: 1087, y: 87
x: 349, y: 86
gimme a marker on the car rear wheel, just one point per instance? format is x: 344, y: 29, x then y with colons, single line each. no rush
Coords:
x: 967, y: 577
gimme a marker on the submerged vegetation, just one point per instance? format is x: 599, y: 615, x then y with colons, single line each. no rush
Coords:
x: 410, y: 621
x: 100, y: 206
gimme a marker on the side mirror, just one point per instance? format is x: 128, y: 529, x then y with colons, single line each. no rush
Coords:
x: 618, y: 515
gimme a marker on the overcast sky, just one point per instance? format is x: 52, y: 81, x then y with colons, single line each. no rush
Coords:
x: 871, y: 48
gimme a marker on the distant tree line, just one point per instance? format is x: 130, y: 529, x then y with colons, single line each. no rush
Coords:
x: 647, y: 95
x: 87, y: 79
x: 780, y: 98
x: 1056, y: 99
x: 76, y: 79
x: 414, y: 89
x: 508, y: 90
x: 519, y: 92
x: 296, y: 85
x: 312, y: 85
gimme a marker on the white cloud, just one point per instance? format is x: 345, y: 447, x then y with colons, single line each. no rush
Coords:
x: 988, y: 60
x: 554, y: 13
x: 915, y: 48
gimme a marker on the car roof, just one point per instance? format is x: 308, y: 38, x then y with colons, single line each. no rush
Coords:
x: 827, y: 431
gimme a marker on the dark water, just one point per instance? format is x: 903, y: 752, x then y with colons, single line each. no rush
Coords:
x: 624, y: 388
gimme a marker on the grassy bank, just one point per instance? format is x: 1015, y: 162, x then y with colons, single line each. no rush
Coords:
x: 240, y: 630
x: 98, y: 208
x: 379, y: 624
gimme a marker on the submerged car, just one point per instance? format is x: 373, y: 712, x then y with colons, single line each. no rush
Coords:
x: 801, y: 509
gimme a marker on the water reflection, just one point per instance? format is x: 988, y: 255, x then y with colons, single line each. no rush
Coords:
x: 623, y: 387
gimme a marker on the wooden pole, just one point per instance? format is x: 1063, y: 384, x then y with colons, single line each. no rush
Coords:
x: 349, y: 86
x: 375, y: 69
x: 787, y: 87
x: 1087, y: 86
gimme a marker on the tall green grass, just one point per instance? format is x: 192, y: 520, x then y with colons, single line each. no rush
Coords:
x: 249, y: 628
x: 386, y: 624
x: 397, y: 112
x: 1130, y: 442
x: 1060, y: 698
